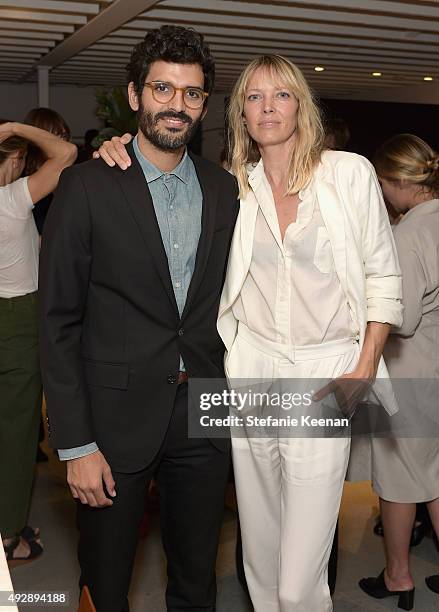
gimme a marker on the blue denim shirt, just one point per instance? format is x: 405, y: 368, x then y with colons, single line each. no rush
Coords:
x: 177, y: 201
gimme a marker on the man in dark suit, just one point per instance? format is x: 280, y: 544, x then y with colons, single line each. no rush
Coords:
x: 132, y: 268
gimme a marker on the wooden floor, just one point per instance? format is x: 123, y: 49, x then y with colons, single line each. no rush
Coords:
x: 360, y: 554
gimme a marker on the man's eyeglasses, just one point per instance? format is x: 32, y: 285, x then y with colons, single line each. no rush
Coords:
x: 164, y: 92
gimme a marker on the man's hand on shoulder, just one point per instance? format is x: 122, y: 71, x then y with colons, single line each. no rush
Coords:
x: 86, y: 477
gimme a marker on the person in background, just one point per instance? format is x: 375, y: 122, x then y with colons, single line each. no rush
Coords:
x: 337, y: 134
x: 51, y: 121
x: 20, y: 382
x: 406, y: 469
x: 224, y: 159
x: 86, y: 151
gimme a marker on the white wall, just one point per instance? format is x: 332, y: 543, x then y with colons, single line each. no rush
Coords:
x: 76, y: 104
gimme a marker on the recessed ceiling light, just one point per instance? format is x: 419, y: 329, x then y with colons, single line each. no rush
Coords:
x: 319, y: 68
x: 377, y: 74
x: 428, y: 78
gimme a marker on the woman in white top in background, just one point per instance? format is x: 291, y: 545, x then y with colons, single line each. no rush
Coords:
x: 312, y: 287
x: 20, y: 383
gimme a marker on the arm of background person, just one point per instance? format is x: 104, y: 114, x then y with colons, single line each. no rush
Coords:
x: 60, y: 154
x: 414, y: 283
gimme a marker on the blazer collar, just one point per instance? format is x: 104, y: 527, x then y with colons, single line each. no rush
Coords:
x: 209, y: 189
x: 255, y: 173
x: 139, y: 200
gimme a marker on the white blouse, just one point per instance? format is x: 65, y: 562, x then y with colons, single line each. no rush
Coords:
x: 19, y: 241
x: 292, y: 294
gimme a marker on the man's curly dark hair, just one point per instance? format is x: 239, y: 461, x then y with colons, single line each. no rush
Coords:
x: 174, y: 44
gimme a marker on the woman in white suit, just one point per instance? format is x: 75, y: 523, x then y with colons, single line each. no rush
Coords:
x: 312, y: 287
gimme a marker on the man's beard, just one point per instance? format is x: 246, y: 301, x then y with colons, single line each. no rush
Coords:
x: 172, y: 138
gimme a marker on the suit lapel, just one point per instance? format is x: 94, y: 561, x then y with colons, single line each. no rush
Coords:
x: 210, y: 199
x: 240, y: 251
x: 139, y: 200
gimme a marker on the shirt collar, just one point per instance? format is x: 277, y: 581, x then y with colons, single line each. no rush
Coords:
x: 151, y: 172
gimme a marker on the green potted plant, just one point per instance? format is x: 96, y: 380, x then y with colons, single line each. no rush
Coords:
x: 113, y: 107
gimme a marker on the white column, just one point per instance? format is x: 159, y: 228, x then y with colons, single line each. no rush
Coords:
x: 43, y: 86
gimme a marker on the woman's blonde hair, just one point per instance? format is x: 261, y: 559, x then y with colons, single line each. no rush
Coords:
x: 309, y: 132
x: 406, y: 157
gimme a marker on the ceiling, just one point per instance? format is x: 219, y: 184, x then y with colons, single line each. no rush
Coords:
x: 89, y: 42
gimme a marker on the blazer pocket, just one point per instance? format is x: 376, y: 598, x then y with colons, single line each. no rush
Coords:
x: 111, y: 375
x: 323, y: 254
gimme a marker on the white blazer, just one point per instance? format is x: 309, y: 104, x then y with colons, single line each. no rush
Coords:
x: 365, y: 258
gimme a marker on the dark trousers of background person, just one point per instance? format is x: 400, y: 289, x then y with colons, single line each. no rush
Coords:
x: 20, y: 408
x: 191, y: 477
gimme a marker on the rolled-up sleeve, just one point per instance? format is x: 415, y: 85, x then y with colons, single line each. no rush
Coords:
x: 381, y: 266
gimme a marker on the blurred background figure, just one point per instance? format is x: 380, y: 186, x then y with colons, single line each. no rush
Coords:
x: 20, y: 380
x: 406, y: 470
x: 85, y: 152
x: 51, y: 121
x: 224, y: 158
x: 337, y: 134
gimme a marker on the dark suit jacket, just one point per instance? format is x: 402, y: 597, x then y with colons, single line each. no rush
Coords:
x: 110, y: 332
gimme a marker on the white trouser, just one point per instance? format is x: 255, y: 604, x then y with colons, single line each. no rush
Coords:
x: 289, y: 489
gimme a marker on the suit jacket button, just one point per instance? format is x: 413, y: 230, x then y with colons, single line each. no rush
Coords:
x: 181, y: 332
x: 171, y: 379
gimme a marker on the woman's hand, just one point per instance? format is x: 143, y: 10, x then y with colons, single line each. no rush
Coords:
x: 349, y: 390
x: 6, y: 131
x: 114, y: 152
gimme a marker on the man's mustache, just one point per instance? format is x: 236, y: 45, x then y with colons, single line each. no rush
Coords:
x: 172, y: 115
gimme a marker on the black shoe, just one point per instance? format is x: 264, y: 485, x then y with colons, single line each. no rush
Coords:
x: 378, y: 528
x: 418, y: 532
x: 433, y: 583
x: 376, y: 587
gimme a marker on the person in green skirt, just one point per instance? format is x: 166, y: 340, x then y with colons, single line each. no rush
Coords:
x: 20, y: 381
